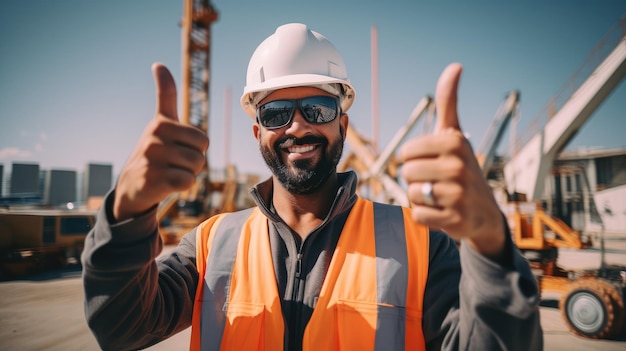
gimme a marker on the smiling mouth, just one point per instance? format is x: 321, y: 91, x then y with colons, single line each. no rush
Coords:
x: 290, y: 147
x: 300, y: 149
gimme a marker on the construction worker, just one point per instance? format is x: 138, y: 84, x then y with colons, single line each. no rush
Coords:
x: 313, y: 266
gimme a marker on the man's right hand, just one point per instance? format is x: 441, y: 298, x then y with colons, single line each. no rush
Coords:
x: 165, y: 160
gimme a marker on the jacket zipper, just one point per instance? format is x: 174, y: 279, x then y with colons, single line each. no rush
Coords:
x: 295, y: 344
x: 298, y: 265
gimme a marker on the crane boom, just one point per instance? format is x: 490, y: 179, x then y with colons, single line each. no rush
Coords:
x: 490, y: 142
x: 526, y: 171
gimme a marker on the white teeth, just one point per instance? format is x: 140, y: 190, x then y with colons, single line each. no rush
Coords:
x: 301, y: 149
x: 287, y: 143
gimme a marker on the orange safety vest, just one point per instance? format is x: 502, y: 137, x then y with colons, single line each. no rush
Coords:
x: 371, y: 298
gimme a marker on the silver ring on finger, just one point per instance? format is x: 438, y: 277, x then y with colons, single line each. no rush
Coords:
x: 427, y: 194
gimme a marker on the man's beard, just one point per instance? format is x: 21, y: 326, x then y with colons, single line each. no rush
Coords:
x: 303, y: 177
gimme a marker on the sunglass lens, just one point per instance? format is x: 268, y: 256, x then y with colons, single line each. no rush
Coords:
x: 320, y: 109
x: 275, y: 114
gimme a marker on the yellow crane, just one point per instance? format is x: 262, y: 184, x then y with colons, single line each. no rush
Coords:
x: 182, y: 211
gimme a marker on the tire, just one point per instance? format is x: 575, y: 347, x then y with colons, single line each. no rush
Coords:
x: 618, y: 311
x: 592, y: 308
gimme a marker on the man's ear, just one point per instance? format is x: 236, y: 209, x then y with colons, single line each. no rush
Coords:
x: 344, y: 122
x: 256, y: 130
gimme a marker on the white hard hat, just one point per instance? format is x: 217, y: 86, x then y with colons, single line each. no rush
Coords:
x: 295, y: 56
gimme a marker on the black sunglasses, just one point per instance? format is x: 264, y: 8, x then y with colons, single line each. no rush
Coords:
x: 315, y: 109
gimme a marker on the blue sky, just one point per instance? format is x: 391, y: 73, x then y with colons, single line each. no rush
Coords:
x: 76, y: 86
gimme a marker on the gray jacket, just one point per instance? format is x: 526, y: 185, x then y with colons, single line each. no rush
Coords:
x: 133, y: 301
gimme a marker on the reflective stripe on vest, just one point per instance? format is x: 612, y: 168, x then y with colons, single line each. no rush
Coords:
x: 236, y: 308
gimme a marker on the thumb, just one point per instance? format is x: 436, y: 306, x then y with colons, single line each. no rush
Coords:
x: 165, y: 91
x: 446, y: 98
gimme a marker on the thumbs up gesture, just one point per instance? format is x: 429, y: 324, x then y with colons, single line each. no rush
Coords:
x: 446, y: 187
x: 166, y: 158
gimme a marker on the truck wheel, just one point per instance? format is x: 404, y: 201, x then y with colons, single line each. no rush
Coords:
x: 589, y: 308
x: 618, y: 309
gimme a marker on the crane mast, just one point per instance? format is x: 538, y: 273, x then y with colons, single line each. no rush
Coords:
x: 198, y: 16
x: 180, y: 212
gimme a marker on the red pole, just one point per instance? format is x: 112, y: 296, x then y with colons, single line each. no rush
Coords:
x: 375, y: 108
x: 227, y: 118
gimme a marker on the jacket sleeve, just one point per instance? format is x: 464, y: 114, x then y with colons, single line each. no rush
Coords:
x: 132, y: 298
x: 495, y: 307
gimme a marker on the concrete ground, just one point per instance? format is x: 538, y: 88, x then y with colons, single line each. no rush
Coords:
x: 46, y: 313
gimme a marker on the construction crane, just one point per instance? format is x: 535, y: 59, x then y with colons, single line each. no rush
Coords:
x: 198, y: 16
x: 507, y: 112
x: 526, y: 171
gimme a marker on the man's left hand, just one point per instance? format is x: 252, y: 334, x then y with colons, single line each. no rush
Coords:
x: 462, y: 203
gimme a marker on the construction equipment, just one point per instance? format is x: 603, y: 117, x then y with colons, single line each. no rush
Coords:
x: 507, y: 112
x: 592, y: 300
x: 566, y: 113
x: 33, y: 240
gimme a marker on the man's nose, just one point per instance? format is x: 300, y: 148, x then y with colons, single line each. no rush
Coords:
x: 298, y: 123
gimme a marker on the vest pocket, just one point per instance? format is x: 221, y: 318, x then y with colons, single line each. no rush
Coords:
x: 244, y: 326
x: 363, y: 324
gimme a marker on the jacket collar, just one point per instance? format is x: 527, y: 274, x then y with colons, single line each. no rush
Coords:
x: 344, y: 199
